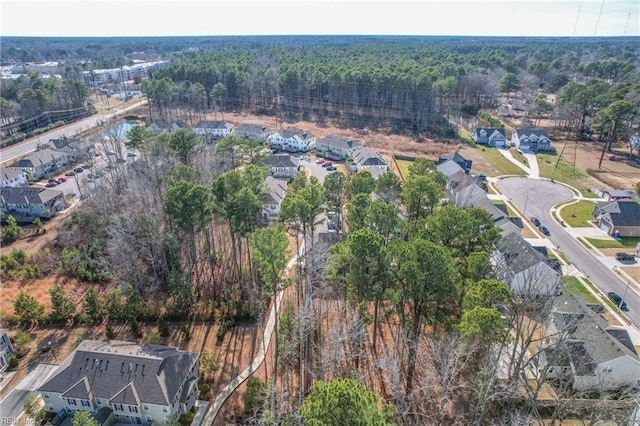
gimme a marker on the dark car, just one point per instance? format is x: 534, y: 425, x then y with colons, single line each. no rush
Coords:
x: 53, y: 180
x: 331, y: 168
x: 625, y: 256
x: 70, y: 173
x: 536, y: 221
x: 51, y: 184
x: 615, y: 298
x: 78, y: 170
x: 544, y: 230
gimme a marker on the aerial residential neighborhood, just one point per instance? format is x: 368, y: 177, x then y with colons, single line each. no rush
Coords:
x: 320, y: 230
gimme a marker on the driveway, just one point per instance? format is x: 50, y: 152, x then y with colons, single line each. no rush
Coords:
x: 12, y: 405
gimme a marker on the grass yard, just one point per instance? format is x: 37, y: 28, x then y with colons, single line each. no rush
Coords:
x: 578, y: 214
x: 519, y: 156
x: 403, y: 165
x: 573, y: 285
x: 564, y: 172
x: 624, y: 242
x: 496, y: 159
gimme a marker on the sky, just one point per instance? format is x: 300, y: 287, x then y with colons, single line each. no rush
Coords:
x: 100, y: 18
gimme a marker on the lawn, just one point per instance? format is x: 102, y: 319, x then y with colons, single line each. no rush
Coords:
x: 624, y: 242
x: 497, y: 160
x: 518, y: 155
x: 403, y: 165
x: 573, y: 285
x: 564, y: 172
x: 578, y: 214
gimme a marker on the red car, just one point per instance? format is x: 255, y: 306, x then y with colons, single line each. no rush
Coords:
x: 62, y: 179
x: 327, y: 163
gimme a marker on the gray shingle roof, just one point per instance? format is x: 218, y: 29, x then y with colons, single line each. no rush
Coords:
x: 11, y: 173
x: 289, y: 133
x: 27, y: 195
x: 61, y: 142
x: 449, y: 168
x: 281, y: 160
x: 489, y: 130
x: 218, y: 124
x: 35, y: 159
x: 365, y: 156
x: 537, y: 133
x: 252, y: 128
x: 124, y: 371
x: 277, y: 189
x: 339, y: 142
x: 623, y: 212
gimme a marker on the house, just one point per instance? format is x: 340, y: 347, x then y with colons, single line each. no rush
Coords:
x: 503, y: 111
x: 76, y: 149
x: 155, y: 129
x: 293, y: 140
x: 283, y: 166
x: 276, y: 190
x: 136, y: 384
x: 6, y: 349
x: 458, y: 159
x: 457, y: 179
x: 213, y: 129
x: 489, y: 136
x: 364, y: 158
x: 616, y: 194
x: 619, y: 218
x: 253, y: 131
x: 531, y: 140
x: 41, y: 163
x: 177, y: 126
x: 12, y: 177
x: 527, y: 271
x: 335, y: 147
x: 27, y: 203
x: 583, y: 349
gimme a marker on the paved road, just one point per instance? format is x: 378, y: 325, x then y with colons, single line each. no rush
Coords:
x: 536, y: 198
x: 12, y: 405
x: 15, y: 151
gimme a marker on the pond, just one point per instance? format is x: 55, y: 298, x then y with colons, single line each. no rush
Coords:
x: 115, y: 133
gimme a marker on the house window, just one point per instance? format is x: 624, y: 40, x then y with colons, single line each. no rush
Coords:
x: 46, y: 395
x: 133, y: 409
x: 85, y: 403
x: 98, y: 401
x: 118, y: 407
x: 145, y: 407
x: 149, y: 419
x: 165, y: 409
x: 71, y: 401
x: 608, y: 369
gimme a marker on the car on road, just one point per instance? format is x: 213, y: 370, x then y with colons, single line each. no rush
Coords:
x: 62, y: 179
x: 53, y: 180
x: 544, y: 230
x: 51, y: 184
x: 615, y: 298
x: 131, y: 154
x: 70, y: 173
x: 331, y: 168
x: 536, y: 221
x: 327, y: 163
x: 625, y: 256
x: 78, y: 170
x: 320, y: 161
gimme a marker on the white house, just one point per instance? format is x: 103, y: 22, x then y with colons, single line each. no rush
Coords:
x: 531, y: 140
x: 335, y: 147
x: 489, y: 136
x: 41, y: 163
x: 365, y: 158
x: 583, y: 349
x: 139, y: 384
x: 213, y: 129
x: 276, y: 190
x: 6, y: 349
x: 76, y: 149
x: 293, y: 140
x: 253, y: 131
x: 12, y: 177
x: 283, y: 166
x: 27, y: 203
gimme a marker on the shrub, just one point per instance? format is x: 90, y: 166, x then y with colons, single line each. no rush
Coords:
x: 110, y: 332
x: 22, y: 338
x: 204, y: 389
x: 12, y: 362
x: 254, y: 395
x: 154, y: 339
x: 225, y: 325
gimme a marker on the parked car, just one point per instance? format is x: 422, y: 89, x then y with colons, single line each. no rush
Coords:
x: 70, y: 173
x: 333, y: 225
x: 53, y: 180
x: 51, y: 184
x: 544, y: 230
x: 131, y: 154
x: 327, y: 163
x: 78, y: 170
x: 320, y: 161
x: 615, y: 298
x: 625, y: 256
x: 111, y: 152
x: 62, y: 179
x: 331, y: 168
x: 536, y: 221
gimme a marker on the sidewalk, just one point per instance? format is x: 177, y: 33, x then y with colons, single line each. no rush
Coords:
x: 507, y: 154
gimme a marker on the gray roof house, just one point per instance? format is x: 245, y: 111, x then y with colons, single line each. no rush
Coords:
x: 616, y: 194
x: 26, y: 203
x: 531, y: 140
x: 621, y: 217
x: 365, y: 158
x: 489, y: 136
x: 41, y: 163
x: 178, y: 125
x: 458, y: 159
x: 283, y: 166
x: 76, y: 149
x: 276, y: 190
x: 256, y: 132
x: 10, y: 176
x: 6, y: 349
x: 293, y: 140
x: 139, y: 384
x: 583, y: 349
x: 213, y: 129
x: 335, y: 147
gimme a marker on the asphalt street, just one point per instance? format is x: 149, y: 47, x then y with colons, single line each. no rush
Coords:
x: 536, y: 198
x: 12, y: 405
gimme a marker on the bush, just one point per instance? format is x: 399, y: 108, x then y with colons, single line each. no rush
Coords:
x: 254, y: 395
x: 225, y: 325
x: 204, y: 389
x: 12, y: 362
x: 154, y: 339
x: 22, y: 338
x: 110, y: 332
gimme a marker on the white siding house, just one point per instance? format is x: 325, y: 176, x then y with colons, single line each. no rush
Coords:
x: 139, y: 384
x: 12, y: 177
x: 531, y: 140
x: 253, y: 131
x: 368, y: 159
x: 41, y: 163
x: 335, y: 147
x: 489, y: 136
x: 27, y: 203
x: 213, y: 129
x: 6, y: 349
x: 293, y: 140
